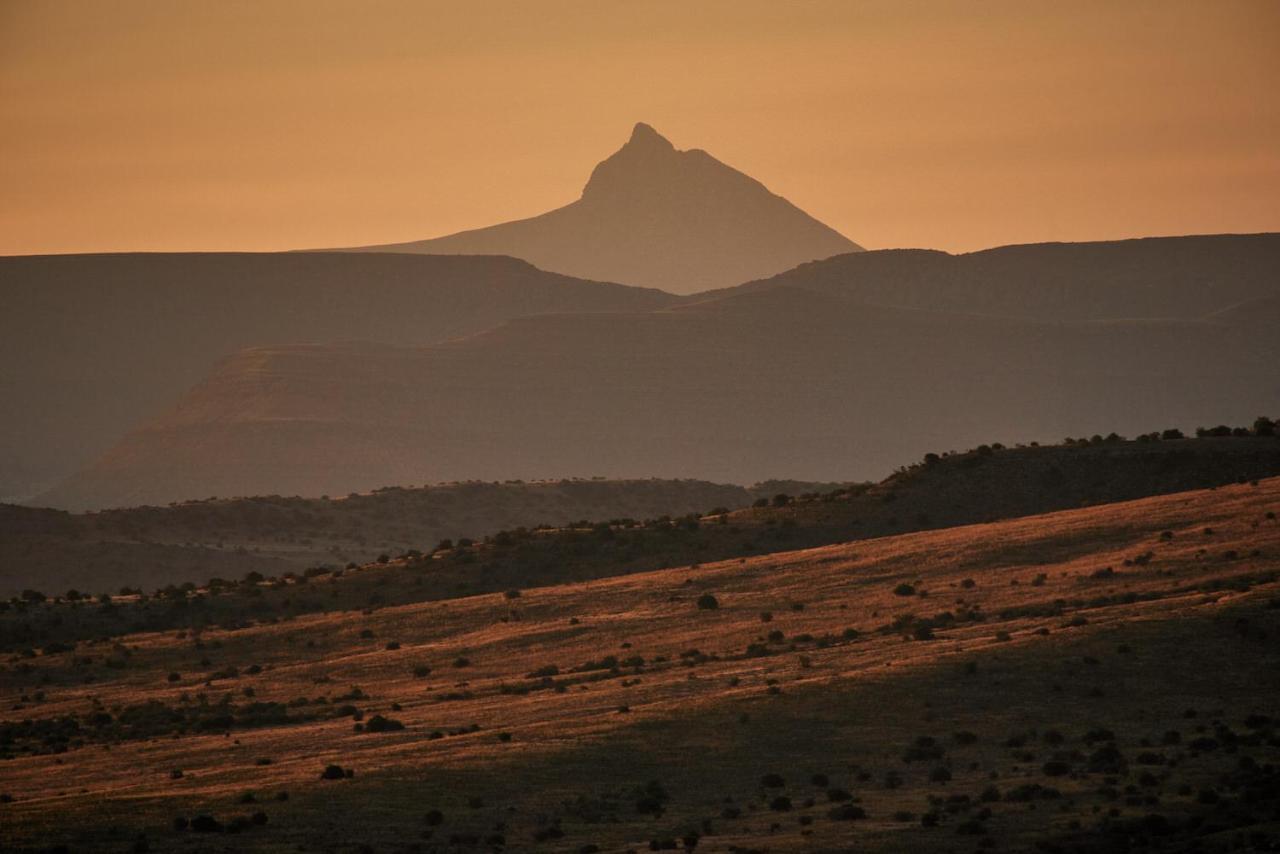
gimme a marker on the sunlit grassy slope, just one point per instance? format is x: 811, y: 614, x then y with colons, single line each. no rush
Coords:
x: 982, y: 485
x: 1093, y: 679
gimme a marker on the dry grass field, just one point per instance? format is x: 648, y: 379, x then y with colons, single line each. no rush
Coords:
x: 1105, y: 678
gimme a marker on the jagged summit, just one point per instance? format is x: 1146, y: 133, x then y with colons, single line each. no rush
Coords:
x: 654, y: 215
x: 644, y: 136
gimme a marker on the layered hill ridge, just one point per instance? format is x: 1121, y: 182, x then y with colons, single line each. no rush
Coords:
x: 93, y: 344
x: 655, y: 216
x: 804, y: 378
x: 1153, y: 277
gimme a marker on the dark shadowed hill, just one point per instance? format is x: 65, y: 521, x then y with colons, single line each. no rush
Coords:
x: 151, y: 547
x: 92, y: 344
x: 655, y: 216
x: 1155, y: 277
x: 741, y: 388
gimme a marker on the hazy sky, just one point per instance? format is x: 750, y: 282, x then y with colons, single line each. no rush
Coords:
x: 956, y: 125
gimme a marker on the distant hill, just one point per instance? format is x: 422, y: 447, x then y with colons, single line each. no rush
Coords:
x: 1154, y: 277
x: 152, y: 547
x: 92, y: 344
x: 655, y: 216
x: 806, y: 378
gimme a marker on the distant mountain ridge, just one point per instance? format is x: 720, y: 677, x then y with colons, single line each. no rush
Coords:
x: 1151, y: 277
x: 803, y: 377
x: 654, y: 216
x: 93, y: 344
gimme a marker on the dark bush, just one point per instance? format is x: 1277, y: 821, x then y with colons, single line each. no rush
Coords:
x: 206, y: 824
x: 378, y: 723
x: 904, y: 589
x: 924, y: 749
x: 1106, y: 760
x: 847, y: 812
x: 707, y: 602
x: 1031, y: 792
x: 333, y: 772
x: 651, y: 799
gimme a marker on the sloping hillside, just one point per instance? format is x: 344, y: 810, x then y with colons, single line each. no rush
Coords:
x: 93, y: 344
x: 654, y: 216
x: 1095, y: 679
x: 983, y: 485
x: 778, y: 382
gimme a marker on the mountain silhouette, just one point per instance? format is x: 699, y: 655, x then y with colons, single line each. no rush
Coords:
x: 655, y: 216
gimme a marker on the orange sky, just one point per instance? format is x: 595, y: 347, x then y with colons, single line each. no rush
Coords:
x: 955, y: 125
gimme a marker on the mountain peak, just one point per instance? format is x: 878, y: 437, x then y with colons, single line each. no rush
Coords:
x: 647, y: 160
x: 644, y: 136
x: 654, y: 215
